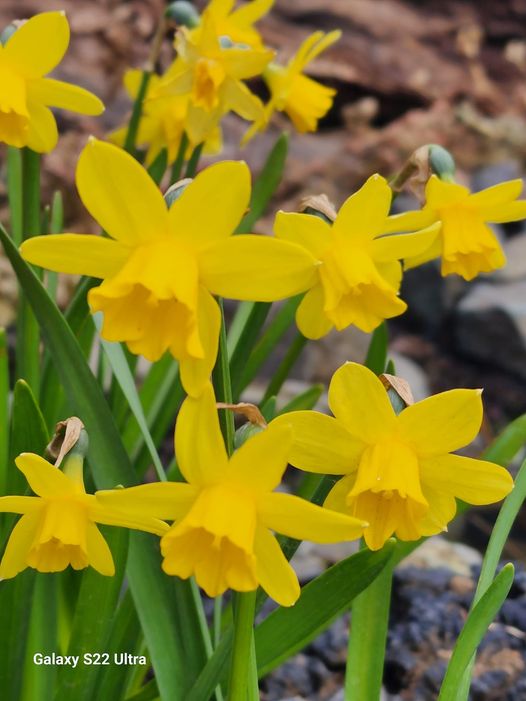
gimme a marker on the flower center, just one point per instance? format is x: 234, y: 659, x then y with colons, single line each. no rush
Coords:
x: 208, y: 77
x: 214, y: 541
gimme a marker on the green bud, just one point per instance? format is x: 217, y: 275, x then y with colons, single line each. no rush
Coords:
x: 175, y: 191
x: 442, y: 162
x: 318, y: 206
x: 184, y: 13
x: 245, y: 432
x: 7, y: 33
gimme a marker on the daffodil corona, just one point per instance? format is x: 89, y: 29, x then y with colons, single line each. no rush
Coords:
x: 161, y: 267
x: 32, y: 51
x: 225, y: 514
x: 359, y: 270
x: 398, y: 471
x: 467, y: 245
x: 58, y: 526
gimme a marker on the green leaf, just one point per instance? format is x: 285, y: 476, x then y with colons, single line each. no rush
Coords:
x: 124, y: 377
x: 376, y: 359
x: 265, y: 184
x: 4, y: 411
x: 475, y: 627
x: 242, y: 336
x: 92, y: 622
x: 287, y: 630
x: 111, y: 466
x: 508, y: 443
x: 305, y: 400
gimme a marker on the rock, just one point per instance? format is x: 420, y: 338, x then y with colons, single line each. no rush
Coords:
x: 515, y: 268
x: 322, y: 358
x: 439, y: 552
x: 490, y: 325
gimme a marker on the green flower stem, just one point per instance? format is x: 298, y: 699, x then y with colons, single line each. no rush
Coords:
x: 244, y: 610
x: 365, y: 659
x: 14, y: 193
x: 223, y: 385
x: 28, y: 341
x: 4, y: 411
x: 193, y: 161
x: 177, y: 167
x: 283, y: 371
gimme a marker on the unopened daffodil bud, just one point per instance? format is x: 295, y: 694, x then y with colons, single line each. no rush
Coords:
x: 442, y: 162
x: 175, y: 191
x: 319, y: 206
x: 183, y: 13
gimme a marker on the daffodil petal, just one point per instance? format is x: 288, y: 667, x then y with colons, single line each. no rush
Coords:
x: 76, y: 254
x: 299, y: 518
x: 499, y: 194
x: 442, y: 509
x: 399, y: 246
x: 502, y: 213
x: 146, y: 503
x: 434, y: 251
x: 336, y: 499
x: 19, y: 505
x: 358, y: 399
x: 442, y: 194
x: 43, y: 478
x: 120, y: 194
x: 304, y: 229
x: 263, y: 458
x: 310, y: 315
x: 42, y: 136
x: 18, y: 546
x: 273, y: 572
x: 195, y: 372
x: 238, y: 98
x: 249, y: 13
x: 207, y: 211
x: 256, y: 268
x: 442, y: 423
x: 98, y: 551
x: 56, y: 93
x: 409, y: 221
x: 245, y: 63
x: 320, y: 443
x: 474, y: 481
x: 200, y: 461
x: 363, y: 215
x: 39, y: 44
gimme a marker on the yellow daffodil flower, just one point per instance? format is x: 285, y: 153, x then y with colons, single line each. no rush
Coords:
x: 26, y: 95
x: 399, y: 473
x: 359, y: 272
x: 303, y: 99
x: 212, y: 74
x: 237, y: 23
x: 224, y: 515
x: 467, y: 245
x: 161, y: 267
x: 163, y: 122
x: 58, y: 526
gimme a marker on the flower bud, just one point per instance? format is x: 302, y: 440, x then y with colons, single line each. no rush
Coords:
x: 183, y: 13
x: 319, y: 206
x: 176, y: 190
x: 441, y: 162
x: 8, y: 31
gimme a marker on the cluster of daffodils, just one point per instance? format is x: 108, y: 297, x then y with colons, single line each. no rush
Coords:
x: 162, y: 266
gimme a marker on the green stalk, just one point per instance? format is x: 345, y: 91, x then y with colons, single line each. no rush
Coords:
x: 4, y: 411
x: 223, y: 385
x: 193, y: 161
x: 28, y: 341
x: 177, y: 167
x: 14, y: 193
x: 282, y: 373
x: 244, y: 610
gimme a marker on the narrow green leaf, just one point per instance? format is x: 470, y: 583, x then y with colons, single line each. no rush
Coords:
x: 149, y: 692
x: 305, y: 400
x: 285, y: 367
x: 376, y: 359
x: 14, y: 193
x: 266, y: 184
x: 242, y: 337
x: 508, y: 443
x: 124, y: 377
x: 111, y: 466
x: 475, y: 627
x: 287, y: 630
x: 4, y: 411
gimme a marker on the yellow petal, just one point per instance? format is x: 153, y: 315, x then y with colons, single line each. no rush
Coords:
x: 397, y: 247
x: 336, y: 499
x: 262, y: 459
x: 320, y: 443
x: 273, y: 572
x: 42, y: 136
x: 442, y: 510
x: 238, y: 98
x: 442, y: 423
x: 120, y: 195
x: 298, y: 518
x: 474, y: 481
x: 434, y: 251
x: 312, y: 47
x: 362, y: 216
x: 502, y: 213
x: 147, y: 502
x: 98, y: 552
x: 310, y: 315
x: 56, y: 93
x: 499, y: 194
x: 195, y: 372
x: 43, y: 478
x: 383, y: 516
x: 443, y: 194
x: 208, y: 210
x: 409, y: 221
x: 256, y: 268
x: 200, y: 461
x: 39, y: 44
x: 76, y: 254
x: 19, y: 505
x: 250, y: 12
x: 132, y: 81
x: 358, y: 399
x: 304, y: 229
x: 18, y: 546
x: 241, y: 64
